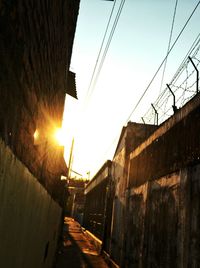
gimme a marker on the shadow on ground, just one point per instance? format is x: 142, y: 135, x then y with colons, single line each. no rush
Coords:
x: 76, y: 250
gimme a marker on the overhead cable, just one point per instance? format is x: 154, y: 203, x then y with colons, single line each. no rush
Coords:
x: 191, y: 50
x: 169, y: 44
x: 106, y: 48
x: 163, y: 97
x: 162, y: 62
x: 102, y: 43
x: 181, y: 66
x: 109, y: 41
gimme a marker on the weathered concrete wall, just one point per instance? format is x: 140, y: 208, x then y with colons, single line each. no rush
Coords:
x: 118, y: 216
x: 132, y: 135
x: 156, y: 195
x: 105, y: 206
x: 172, y: 146
x: 190, y: 250
x: 161, y: 233
x: 163, y: 221
x: 164, y: 206
x: 136, y: 211
x: 97, y: 192
x: 94, y: 214
x: 30, y: 219
x: 156, y: 223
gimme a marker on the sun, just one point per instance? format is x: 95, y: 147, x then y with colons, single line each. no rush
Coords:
x: 60, y: 136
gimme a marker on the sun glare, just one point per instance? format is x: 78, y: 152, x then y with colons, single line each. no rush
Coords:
x: 60, y: 136
x: 36, y: 135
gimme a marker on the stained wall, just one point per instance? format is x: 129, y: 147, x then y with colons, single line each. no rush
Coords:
x: 30, y: 218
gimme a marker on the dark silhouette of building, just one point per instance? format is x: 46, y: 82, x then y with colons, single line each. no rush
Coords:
x: 36, y: 39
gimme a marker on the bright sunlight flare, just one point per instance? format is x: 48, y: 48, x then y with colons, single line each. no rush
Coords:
x: 60, y: 136
x: 36, y: 135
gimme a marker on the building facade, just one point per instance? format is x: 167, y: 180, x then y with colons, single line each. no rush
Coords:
x: 98, y: 205
x: 36, y: 39
x: 155, y: 178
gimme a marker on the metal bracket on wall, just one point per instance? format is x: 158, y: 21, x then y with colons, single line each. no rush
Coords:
x: 156, y: 115
x: 174, y: 99
x: 143, y: 120
x: 197, y: 71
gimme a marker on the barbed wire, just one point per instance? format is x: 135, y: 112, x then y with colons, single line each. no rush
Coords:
x: 182, y: 85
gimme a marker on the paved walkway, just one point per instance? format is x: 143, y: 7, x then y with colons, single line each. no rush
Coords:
x: 77, y: 251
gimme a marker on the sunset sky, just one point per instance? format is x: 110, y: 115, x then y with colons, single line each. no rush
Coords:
x: 138, y: 47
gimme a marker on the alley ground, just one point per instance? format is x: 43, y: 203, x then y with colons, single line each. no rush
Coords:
x: 77, y: 250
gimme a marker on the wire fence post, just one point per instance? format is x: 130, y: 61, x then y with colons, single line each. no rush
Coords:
x: 156, y: 115
x: 143, y: 120
x: 174, y: 99
x: 197, y: 71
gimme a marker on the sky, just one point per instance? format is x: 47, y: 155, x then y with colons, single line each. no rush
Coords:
x: 138, y: 47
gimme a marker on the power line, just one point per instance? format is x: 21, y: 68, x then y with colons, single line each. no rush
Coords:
x: 162, y: 62
x: 109, y: 41
x: 181, y: 66
x: 194, y: 44
x: 162, y: 98
x: 190, y: 50
x: 107, y: 46
x: 169, y: 43
x: 102, y: 43
x: 114, y: 140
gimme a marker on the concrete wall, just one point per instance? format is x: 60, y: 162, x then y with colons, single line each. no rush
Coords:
x: 163, y: 208
x: 135, y: 232
x: 132, y: 136
x: 106, y: 195
x: 118, y: 216
x: 155, y: 223
x: 163, y: 221
x: 156, y: 194
x: 97, y: 192
x: 172, y: 146
x: 29, y: 218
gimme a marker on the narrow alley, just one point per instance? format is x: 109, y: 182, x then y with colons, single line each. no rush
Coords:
x: 96, y: 172
x: 77, y: 250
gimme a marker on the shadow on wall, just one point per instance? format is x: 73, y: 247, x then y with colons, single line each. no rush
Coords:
x: 153, y: 219
x: 30, y: 219
x: 160, y: 248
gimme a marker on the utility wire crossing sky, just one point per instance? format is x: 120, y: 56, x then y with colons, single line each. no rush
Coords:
x: 124, y: 54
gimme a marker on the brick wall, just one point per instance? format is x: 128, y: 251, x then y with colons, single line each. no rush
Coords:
x: 36, y: 39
